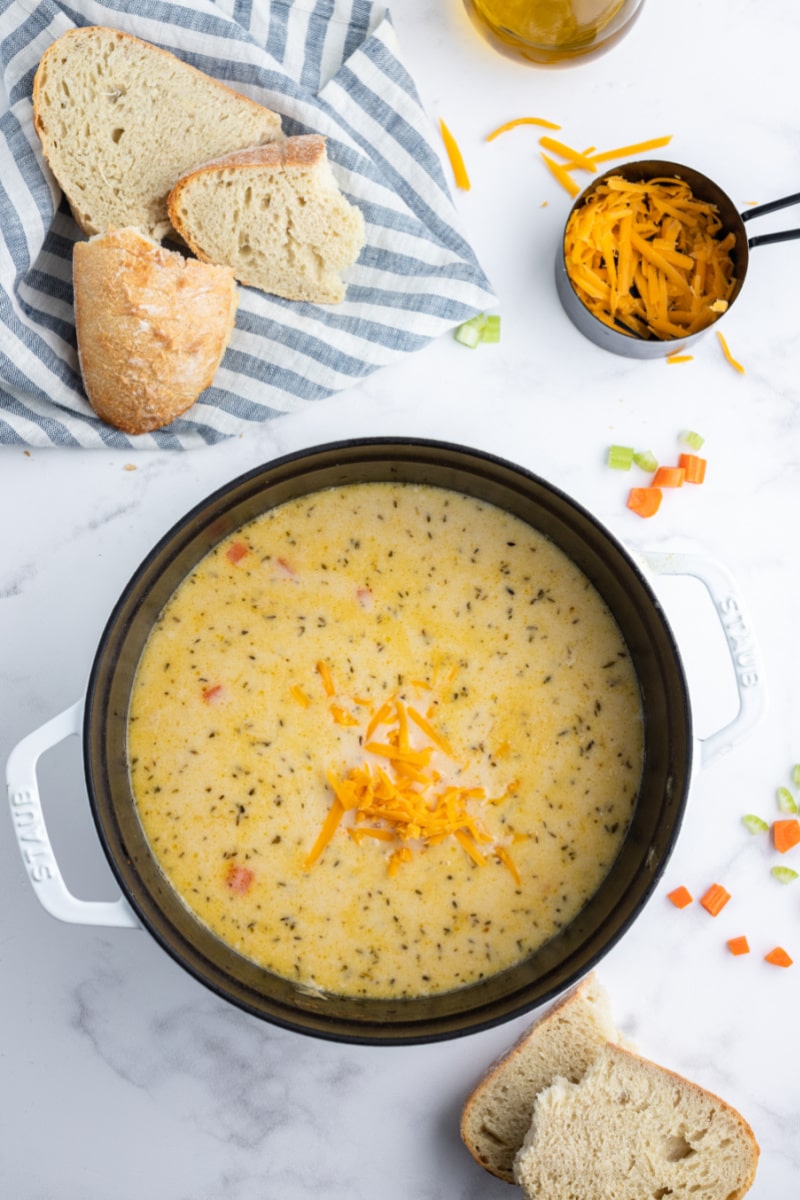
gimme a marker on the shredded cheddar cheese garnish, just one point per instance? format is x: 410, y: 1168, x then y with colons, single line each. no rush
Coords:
x: 324, y: 672
x: 650, y: 258
x: 398, y: 794
x: 300, y: 696
x: 341, y: 716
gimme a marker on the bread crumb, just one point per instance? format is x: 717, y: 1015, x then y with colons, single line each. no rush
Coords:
x: 129, y: 467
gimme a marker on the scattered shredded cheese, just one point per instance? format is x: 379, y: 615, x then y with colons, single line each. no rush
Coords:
x: 737, y: 366
x: 636, y: 148
x: 520, y: 121
x: 456, y: 158
x: 561, y: 174
x: 574, y: 157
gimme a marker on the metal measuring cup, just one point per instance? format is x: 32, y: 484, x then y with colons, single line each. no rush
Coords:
x: 618, y: 341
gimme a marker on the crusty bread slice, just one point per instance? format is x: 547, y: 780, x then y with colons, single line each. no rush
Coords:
x: 120, y: 120
x: 635, y: 1131
x: 497, y: 1115
x: 152, y: 327
x: 275, y: 214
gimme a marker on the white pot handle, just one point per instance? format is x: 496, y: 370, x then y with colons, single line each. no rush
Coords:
x: 739, y: 638
x: 28, y: 820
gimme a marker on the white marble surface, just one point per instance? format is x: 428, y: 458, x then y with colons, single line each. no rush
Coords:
x: 119, y: 1075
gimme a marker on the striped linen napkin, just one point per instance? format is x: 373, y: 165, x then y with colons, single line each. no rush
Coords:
x: 327, y: 66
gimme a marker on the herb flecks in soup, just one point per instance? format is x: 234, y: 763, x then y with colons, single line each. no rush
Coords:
x: 386, y: 740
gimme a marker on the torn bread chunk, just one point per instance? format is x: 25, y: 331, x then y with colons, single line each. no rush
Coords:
x: 633, y: 1130
x: 274, y: 214
x: 563, y: 1042
x: 152, y: 327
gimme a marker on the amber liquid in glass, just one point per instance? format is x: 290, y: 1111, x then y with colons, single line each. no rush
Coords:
x: 553, y: 31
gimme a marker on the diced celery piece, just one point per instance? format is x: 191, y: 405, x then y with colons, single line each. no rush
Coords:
x: 491, y: 329
x: 692, y: 439
x: 481, y: 328
x: 469, y: 334
x: 646, y: 460
x: 786, y: 801
x: 796, y: 774
x: 783, y: 874
x: 754, y: 824
x: 620, y: 457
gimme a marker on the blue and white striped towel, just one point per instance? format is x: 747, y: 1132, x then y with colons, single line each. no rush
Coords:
x: 327, y: 66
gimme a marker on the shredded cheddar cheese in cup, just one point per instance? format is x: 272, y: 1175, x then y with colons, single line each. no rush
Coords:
x: 650, y: 258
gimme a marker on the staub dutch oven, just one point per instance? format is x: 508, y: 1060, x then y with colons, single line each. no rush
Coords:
x: 148, y: 900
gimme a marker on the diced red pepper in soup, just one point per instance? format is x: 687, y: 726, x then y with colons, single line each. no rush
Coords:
x: 239, y: 878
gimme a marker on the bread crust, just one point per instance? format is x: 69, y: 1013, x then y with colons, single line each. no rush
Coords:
x: 304, y: 151
x: 152, y: 327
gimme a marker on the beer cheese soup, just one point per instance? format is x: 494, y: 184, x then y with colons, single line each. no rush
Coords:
x: 385, y: 740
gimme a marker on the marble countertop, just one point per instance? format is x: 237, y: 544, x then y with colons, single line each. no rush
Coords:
x: 119, y: 1074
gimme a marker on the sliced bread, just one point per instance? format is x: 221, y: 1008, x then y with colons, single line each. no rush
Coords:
x: 152, y: 327
x: 570, y: 1035
x: 120, y: 120
x: 276, y: 216
x: 632, y: 1130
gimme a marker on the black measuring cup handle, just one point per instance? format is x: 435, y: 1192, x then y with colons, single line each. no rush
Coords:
x: 766, y: 239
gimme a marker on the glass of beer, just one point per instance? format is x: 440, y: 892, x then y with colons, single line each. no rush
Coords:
x: 553, y: 31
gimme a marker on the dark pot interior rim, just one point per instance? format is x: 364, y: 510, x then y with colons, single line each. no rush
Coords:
x: 318, y: 1023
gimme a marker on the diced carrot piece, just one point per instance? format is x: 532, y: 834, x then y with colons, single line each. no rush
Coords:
x: 669, y: 477
x: 213, y: 692
x: 715, y: 899
x: 645, y: 501
x: 778, y: 957
x: 739, y: 945
x: 680, y: 896
x: 785, y: 834
x: 694, y: 466
x: 236, y: 551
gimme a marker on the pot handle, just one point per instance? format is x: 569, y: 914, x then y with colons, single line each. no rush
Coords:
x: 739, y: 638
x: 28, y: 820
